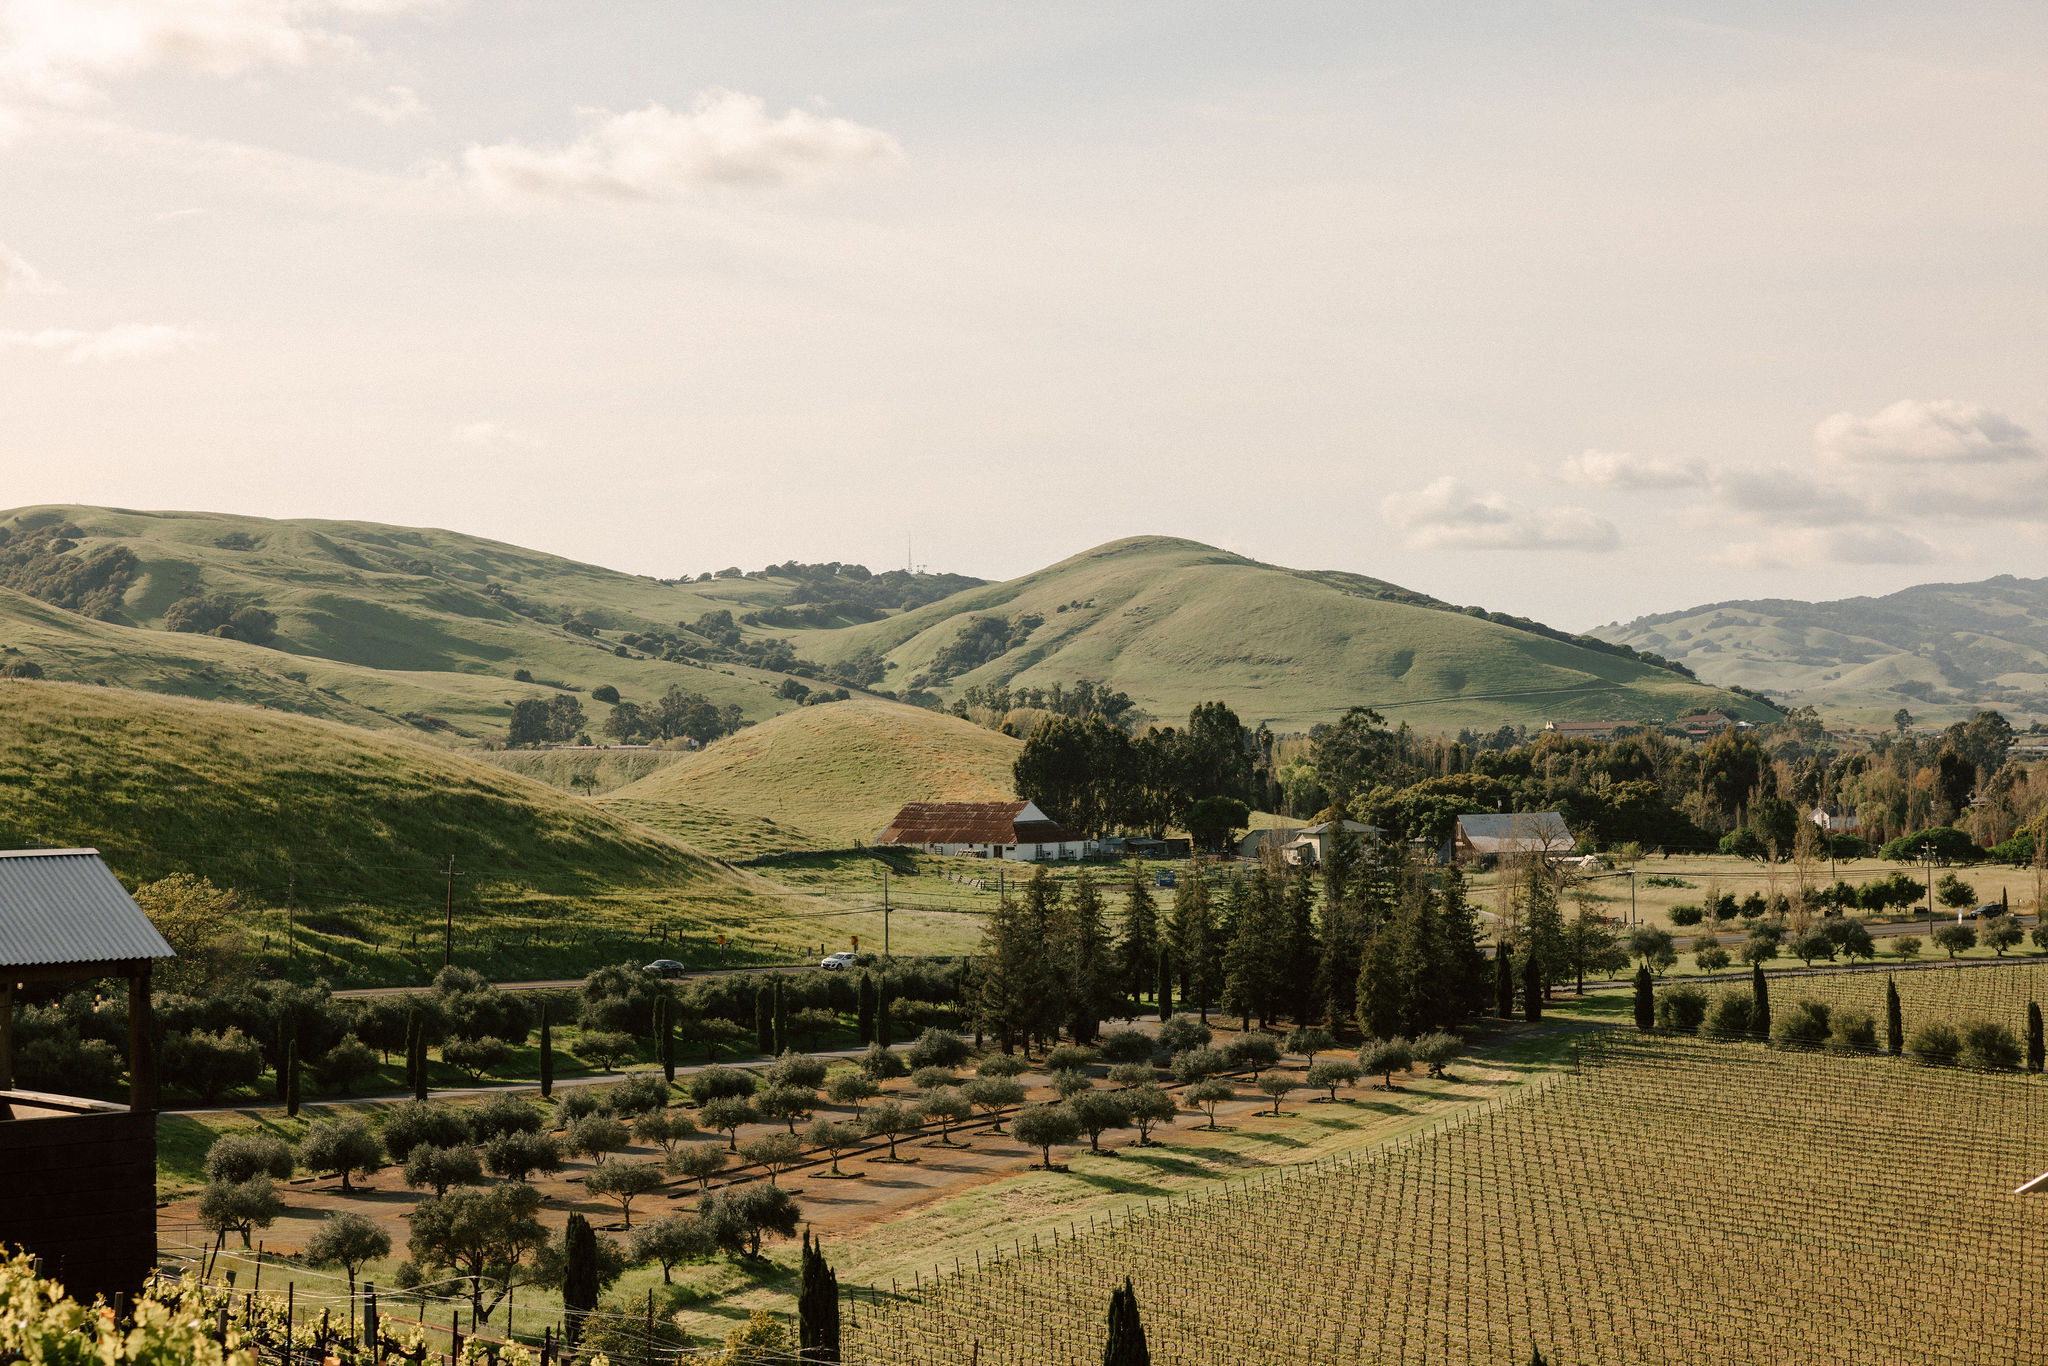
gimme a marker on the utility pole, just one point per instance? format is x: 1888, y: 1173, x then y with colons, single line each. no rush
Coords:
x: 291, y: 946
x: 1927, y: 853
x: 448, y: 934
x: 885, y: 912
x: 1631, y: 896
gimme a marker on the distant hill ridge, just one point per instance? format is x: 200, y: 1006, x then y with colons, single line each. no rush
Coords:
x: 1939, y: 649
x: 443, y: 632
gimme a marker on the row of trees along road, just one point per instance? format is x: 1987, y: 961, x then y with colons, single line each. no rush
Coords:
x: 1371, y: 938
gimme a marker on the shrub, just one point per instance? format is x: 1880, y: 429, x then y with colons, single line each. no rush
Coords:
x: 1332, y: 1073
x: 1807, y: 1024
x: 1128, y: 1074
x: 639, y: 1094
x: 1936, y: 1044
x: 932, y: 1078
x: 1687, y: 915
x: 1126, y: 1046
x: 882, y: 1063
x: 347, y: 1063
x: 518, y: 1154
x: 1906, y: 946
x: 1192, y: 1064
x: 578, y: 1103
x: 441, y: 1168
x: 1183, y: 1032
x: 1732, y: 1016
x: 342, y: 1146
x: 1067, y: 1058
x: 607, y: 1048
x: 1681, y: 1009
x: 1853, y: 1031
x: 1001, y: 1065
x: 476, y: 1056
x: 796, y: 1069
x: 417, y: 1123
x: 720, y: 1083
x: 1252, y: 1052
x: 504, y: 1115
x: 938, y: 1048
x: 1071, y: 1084
x: 1991, y: 1047
x: 596, y: 1136
x: 235, y: 1158
x: 208, y: 1064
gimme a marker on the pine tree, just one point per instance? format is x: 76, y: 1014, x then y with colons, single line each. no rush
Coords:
x: 291, y: 1078
x: 1545, y: 943
x: 1340, y: 855
x: 1304, y: 951
x: 1759, y: 1002
x: 864, y: 1004
x: 579, y: 1276
x: 1256, y: 956
x: 1080, y: 947
x: 1164, y: 989
x: 1646, y: 999
x: 547, y: 1056
x: 1382, y: 983
x: 1126, y: 1343
x: 1503, y: 981
x: 1138, y: 951
x: 817, y: 1306
x: 1012, y: 974
x: 1195, y: 944
x: 1894, y: 1019
x: 1532, y: 989
x: 764, y: 1019
x: 1464, y: 958
x: 2037, y: 1047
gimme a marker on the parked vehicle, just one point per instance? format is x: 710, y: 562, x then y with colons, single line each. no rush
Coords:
x: 666, y: 967
x: 836, y: 962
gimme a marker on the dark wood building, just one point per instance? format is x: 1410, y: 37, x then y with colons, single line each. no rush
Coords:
x: 77, y: 1176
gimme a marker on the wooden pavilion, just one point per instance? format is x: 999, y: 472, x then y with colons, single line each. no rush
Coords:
x: 77, y: 1176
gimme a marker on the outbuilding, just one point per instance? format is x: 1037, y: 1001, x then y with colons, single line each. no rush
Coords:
x: 1005, y: 830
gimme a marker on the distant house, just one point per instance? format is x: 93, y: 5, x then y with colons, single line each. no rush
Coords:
x: 1836, y: 823
x: 1254, y: 843
x: 1523, y: 832
x: 1585, y: 730
x: 1006, y: 830
x: 1704, y: 723
x: 1312, y: 842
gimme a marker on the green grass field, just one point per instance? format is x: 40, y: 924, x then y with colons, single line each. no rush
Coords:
x: 839, y: 771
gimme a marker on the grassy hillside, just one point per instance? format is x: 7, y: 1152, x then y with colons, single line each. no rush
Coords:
x: 354, y: 829
x: 1174, y: 623
x: 838, y: 771
x: 375, y: 624
x: 1941, y: 650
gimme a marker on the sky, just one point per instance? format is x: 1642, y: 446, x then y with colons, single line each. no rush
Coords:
x: 1579, y: 311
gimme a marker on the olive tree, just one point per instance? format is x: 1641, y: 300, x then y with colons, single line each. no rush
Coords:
x: 1331, y: 1073
x: 1045, y: 1126
x: 624, y: 1182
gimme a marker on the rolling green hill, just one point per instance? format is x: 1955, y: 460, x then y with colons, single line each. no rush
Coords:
x: 837, y: 772
x: 406, y: 627
x: 377, y: 625
x: 1941, y: 650
x: 354, y: 830
x: 1174, y: 623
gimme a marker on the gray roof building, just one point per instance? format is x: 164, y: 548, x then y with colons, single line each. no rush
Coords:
x: 63, y: 907
x: 1523, y: 832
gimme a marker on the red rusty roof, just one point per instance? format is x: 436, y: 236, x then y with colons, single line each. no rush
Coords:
x: 970, y: 823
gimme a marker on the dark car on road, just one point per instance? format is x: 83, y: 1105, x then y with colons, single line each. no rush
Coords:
x: 666, y: 967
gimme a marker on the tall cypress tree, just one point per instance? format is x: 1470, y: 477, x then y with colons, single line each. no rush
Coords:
x: 579, y: 1276
x: 419, y: 1064
x: 1138, y: 950
x: 547, y: 1056
x: 764, y: 1019
x: 817, y: 1306
x: 1503, y: 981
x: 412, y: 1032
x: 864, y: 1007
x: 1125, y: 1345
x: 665, y: 1039
x: 1532, y: 988
x: 1894, y: 1019
x: 1165, y: 986
x: 781, y: 1041
x: 291, y: 1078
x: 2037, y: 1047
x: 284, y: 1048
x: 885, y: 1028
x: 1759, y: 1002
x: 1646, y: 998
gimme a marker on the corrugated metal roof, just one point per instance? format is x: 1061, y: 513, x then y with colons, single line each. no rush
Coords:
x: 1522, y: 831
x: 970, y: 823
x: 65, y: 906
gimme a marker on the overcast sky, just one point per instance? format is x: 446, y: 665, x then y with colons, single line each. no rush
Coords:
x: 1575, y: 310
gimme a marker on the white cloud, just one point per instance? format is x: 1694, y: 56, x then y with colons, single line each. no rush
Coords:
x: 1924, y: 432
x: 395, y: 105
x: 1877, y: 545
x: 65, y: 50
x: 18, y: 276
x: 726, y: 138
x: 493, y: 436
x: 124, y: 341
x: 1779, y: 494
x: 1444, y: 515
x: 1619, y: 470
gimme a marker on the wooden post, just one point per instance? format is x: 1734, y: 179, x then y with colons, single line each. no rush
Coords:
x: 141, y: 1057
x: 6, y: 1045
